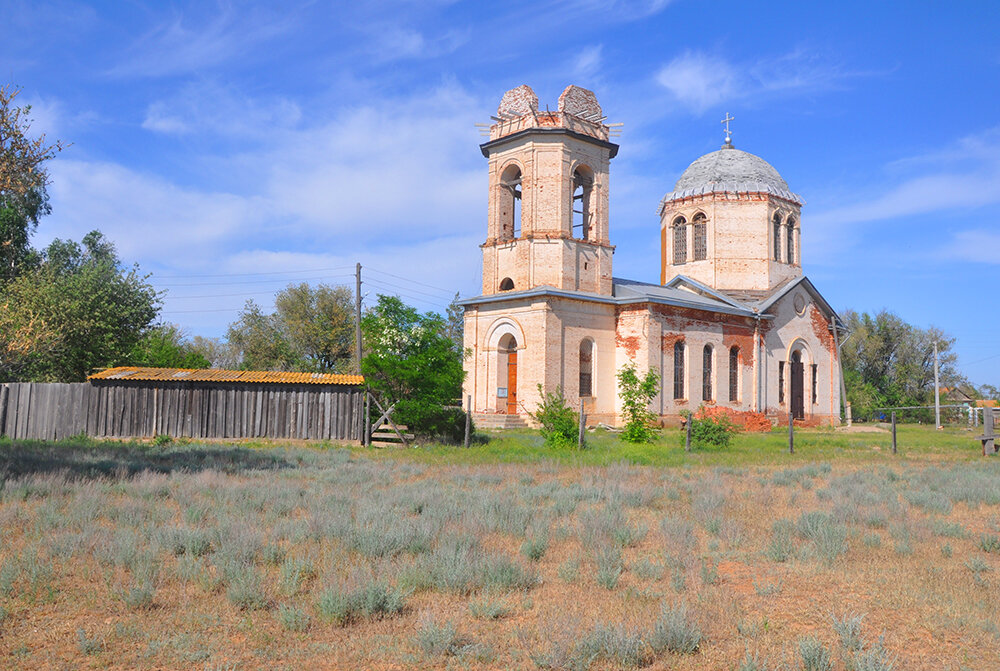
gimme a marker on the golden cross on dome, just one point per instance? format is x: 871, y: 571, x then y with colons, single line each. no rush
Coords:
x: 729, y: 133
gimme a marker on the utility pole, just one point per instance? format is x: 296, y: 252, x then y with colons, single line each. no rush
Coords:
x: 357, y: 315
x: 937, y: 391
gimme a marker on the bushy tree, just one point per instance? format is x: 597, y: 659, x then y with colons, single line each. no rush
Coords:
x: 259, y: 341
x: 410, y: 360
x: 165, y: 346
x: 319, y: 324
x: 888, y: 362
x: 636, y: 393
x: 23, y: 181
x: 311, y: 330
x: 76, y: 310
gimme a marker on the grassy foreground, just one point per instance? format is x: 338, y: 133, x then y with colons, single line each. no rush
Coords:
x: 506, y: 555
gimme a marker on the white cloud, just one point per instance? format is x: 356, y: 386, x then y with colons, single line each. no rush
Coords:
x: 977, y: 246
x: 206, y: 107
x: 699, y: 80
x: 588, y: 62
x: 963, y: 175
x: 396, y: 184
x: 183, y: 45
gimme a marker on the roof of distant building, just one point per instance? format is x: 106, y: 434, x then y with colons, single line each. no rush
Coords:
x: 218, y: 375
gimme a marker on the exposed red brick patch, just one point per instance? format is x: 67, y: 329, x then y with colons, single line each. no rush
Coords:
x: 741, y: 337
x: 754, y: 422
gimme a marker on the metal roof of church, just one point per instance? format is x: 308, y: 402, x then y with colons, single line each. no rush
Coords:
x: 218, y: 375
x: 730, y: 170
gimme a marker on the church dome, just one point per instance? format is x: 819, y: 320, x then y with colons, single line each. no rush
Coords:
x: 730, y: 170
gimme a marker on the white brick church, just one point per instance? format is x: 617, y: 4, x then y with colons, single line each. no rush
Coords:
x: 733, y: 322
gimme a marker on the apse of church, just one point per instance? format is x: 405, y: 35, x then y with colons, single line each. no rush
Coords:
x: 733, y: 322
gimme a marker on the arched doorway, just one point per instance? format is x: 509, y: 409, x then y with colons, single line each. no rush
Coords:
x: 507, y: 374
x: 797, y: 387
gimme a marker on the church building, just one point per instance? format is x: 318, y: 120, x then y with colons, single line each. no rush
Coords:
x: 732, y: 323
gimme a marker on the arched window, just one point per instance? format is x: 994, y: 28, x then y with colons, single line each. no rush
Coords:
x: 700, y: 237
x: 790, y: 242
x: 510, y: 203
x: 506, y: 284
x: 586, y: 367
x: 706, y: 374
x: 680, y: 240
x: 734, y: 374
x: 583, y: 188
x: 679, y: 369
x: 777, y: 236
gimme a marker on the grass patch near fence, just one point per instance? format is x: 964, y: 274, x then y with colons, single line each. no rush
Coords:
x: 506, y: 555
x: 914, y: 442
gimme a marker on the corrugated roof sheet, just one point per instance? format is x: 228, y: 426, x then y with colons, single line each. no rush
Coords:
x: 218, y: 375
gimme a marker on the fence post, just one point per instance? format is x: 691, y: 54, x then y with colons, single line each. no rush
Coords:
x: 894, y: 432
x: 988, y: 438
x: 687, y: 439
x: 366, y: 427
x: 791, y: 433
x: 468, y: 420
x: 583, y: 425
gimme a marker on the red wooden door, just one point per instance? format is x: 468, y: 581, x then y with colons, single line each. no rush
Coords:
x: 512, y: 383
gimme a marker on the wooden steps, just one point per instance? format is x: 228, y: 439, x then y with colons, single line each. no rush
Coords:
x: 384, y: 436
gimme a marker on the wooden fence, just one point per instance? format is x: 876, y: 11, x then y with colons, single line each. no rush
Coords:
x: 195, y: 410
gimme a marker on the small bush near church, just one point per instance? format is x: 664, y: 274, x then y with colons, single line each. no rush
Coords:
x: 559, y: 423
x: 712, y: 431
x: 636, y: 394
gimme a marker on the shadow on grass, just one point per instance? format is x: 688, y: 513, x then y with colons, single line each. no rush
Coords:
x: 88, y: 459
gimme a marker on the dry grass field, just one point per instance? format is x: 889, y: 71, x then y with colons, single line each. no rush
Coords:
x: 842, y: 556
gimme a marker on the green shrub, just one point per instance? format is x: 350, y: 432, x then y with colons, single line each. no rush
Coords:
x: 560, y: 425
x: 636, y: 394
x: 711, y: 432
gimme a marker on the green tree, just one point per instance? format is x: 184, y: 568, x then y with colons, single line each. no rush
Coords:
x: 455, y: 323
x: 23, y: 181
x: 411, y: 361
x: 260, y: 342
x: 888, y: 362
x: 636, y: 393
x: 319, y: 326
x: 77, y: 310
x: 165, y: 346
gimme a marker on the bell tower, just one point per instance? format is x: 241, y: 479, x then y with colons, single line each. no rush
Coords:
x: 548, y: 195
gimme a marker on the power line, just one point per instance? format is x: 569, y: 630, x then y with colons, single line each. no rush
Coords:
x: 274, y: 281
x: 407, y: 279
x: 387, y: 283
x: 276, y: 272
x: 242, y: 293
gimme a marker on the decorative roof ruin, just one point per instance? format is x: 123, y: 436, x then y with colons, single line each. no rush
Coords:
x: 580, y: 102
x: 518, y: 102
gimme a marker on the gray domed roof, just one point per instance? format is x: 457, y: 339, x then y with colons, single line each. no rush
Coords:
x: 730, y: 170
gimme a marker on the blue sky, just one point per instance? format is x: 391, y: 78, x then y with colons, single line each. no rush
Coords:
x: 231, y: 148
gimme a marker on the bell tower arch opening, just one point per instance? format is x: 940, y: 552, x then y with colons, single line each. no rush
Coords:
x: 510, y: 203
x: 583, y: 188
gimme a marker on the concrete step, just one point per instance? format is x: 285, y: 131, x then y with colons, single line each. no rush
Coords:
x: 496, y: 421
